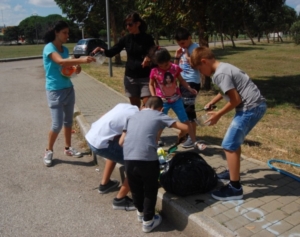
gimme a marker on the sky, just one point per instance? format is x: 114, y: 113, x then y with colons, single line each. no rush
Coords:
x: 12, y: 12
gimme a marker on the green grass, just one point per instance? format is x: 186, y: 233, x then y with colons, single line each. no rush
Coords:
x: 16, y: 51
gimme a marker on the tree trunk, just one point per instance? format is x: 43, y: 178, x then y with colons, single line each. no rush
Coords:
x: 222, y: 41
x: 203, y: 40
x: 115, y: 37
x: 249, y: 35
x: 156, y: 38
x: 268, y: 39
x: 279, y: 37
x: 233, y: 44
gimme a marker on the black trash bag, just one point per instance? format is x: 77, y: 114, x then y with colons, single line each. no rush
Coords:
x: 188, y: 174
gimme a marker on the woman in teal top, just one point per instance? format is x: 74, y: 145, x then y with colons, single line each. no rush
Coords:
x: 59, y: 88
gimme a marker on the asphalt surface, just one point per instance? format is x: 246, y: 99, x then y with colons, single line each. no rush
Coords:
x: 58, y: 201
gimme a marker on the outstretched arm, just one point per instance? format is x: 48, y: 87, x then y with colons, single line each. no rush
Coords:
x: 70, y: 61
x: 152, y: 87
x: 234, y: 101
x: 184, y: 129
x: 186, y: 85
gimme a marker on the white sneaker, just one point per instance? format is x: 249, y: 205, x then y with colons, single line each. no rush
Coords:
x: 48, y: 158
x: 150, y: 225
x: 72, y: 152
x: 140, y: 216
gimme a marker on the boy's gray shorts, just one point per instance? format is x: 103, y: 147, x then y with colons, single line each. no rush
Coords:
x: 136, y: 87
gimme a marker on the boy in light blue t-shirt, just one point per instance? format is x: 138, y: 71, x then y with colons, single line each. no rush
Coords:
x: 189, y: 74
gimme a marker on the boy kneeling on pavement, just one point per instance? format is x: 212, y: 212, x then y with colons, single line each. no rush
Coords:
x: 139, y: 141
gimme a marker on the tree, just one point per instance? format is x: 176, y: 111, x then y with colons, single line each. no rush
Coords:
x: 30, y: 28
x: 172, y: 14
x: 295, y: 30
x: 34, y: 27
x: 11, y: 34
x: 93, y: 14
x: 284, y: 20
x: 227, y: 21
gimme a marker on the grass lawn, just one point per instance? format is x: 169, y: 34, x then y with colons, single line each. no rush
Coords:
x: 16, y: 51
x: 274, y: 68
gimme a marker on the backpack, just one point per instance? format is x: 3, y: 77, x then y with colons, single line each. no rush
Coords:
x: 188, y: 174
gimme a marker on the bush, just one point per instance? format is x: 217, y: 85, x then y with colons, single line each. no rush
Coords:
x: 295, y: 30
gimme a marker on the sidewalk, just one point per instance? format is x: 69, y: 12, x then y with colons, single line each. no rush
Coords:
x: 271, y: 204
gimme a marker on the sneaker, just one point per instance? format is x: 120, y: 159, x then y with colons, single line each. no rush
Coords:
x: 224, y: 176
x: 48, y: 158
x: 227, y: 193
x: 188, y: 143
x: 150, y: 225
x: 200, y: 146
x: 125, y: 203
x: 160, y: 143
x: 109, y: 186
x: 140, y: 216
x: 72, y: 152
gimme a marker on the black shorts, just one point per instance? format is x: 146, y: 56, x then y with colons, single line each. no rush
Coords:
x: 136, y: 87
x: 189, y: 100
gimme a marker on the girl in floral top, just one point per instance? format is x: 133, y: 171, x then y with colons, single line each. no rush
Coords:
x: 164, y: 80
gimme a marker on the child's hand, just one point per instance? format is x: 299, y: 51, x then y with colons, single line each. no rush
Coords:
x: 88, y: 59
x: 213, y: 118
x: 209, y: 107
x: 78, y: 69
x: 178, y: 53
x: 193, y: 91
x: 182, y: 139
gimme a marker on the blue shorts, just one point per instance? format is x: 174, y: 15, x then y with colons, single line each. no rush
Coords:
x: 113, y: 152
x: 241, y: 125
x: 178, y: 109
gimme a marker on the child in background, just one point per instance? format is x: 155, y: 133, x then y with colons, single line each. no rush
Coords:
x: 190, y: 75
x: 170, y: 94
x: 141, y: 160
x: 242, y: 95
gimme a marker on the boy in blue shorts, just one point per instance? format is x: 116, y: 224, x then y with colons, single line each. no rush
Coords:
x: 242, y: 95
x: 141, y: 160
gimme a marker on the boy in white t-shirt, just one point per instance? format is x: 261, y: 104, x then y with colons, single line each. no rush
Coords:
x: 103, y: 139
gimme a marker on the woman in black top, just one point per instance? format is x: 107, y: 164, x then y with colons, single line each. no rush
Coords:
x: 137, y: 44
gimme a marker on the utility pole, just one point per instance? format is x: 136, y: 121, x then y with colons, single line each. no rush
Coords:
x: 108, y: 36
x: 81, y: 27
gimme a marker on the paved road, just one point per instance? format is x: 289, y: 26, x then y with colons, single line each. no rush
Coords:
x: 57, y: 201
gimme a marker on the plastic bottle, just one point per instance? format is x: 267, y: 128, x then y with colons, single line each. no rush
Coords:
x: 100, y: 59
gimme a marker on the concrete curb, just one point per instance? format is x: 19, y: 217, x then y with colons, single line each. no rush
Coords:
x: 20, y: 59
x: 176, y: 211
